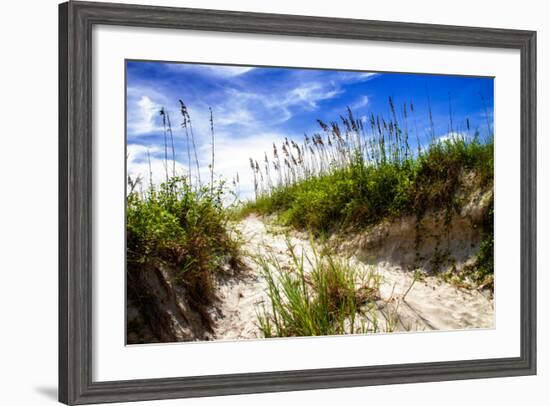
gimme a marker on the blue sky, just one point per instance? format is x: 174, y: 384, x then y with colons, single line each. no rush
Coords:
x: 256, y: 106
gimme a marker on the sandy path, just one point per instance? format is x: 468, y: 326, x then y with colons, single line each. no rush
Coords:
x: 242, y: 296
x: 430, y: 304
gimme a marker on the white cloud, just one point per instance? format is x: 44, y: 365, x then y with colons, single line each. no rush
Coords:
x: 361, y: 103
x: 143, y: 116
x: 452, y: 136
x: 242, y: 116
x: 138, y: 152
x: 352, y: 77
x: 367, y: 75
x: 229, y: 71
x: 220, y: 71
x: 232, y: 157
x: 138, y: 158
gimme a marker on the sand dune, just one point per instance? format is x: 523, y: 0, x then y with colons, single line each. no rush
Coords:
x: 430, y: 304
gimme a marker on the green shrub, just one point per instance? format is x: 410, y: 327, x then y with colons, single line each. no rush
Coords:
x: 184, y: 228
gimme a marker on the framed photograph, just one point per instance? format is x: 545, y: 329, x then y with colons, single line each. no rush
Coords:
x: 258, y: 202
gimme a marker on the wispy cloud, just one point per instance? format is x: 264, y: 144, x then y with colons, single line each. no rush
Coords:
x: 367, y: 75
x: 355, y: 77
x: 236, y: 103
x: 310, y: 94
x: 240, y: 116
x: 219, y: 71
x: 275, y: 107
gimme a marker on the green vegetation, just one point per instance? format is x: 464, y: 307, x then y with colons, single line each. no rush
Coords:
x: 322, y: 300
x: 363, y: 194
x: 183, y: 228
x: 180, y: 226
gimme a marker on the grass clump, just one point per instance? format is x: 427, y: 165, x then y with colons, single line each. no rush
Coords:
x: 324, y: 300
x: 184, y: 228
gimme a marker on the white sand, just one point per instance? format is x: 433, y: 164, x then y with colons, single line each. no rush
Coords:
x: 431, y: 304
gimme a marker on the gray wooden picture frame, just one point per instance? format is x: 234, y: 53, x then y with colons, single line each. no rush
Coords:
x: 76, y: 20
